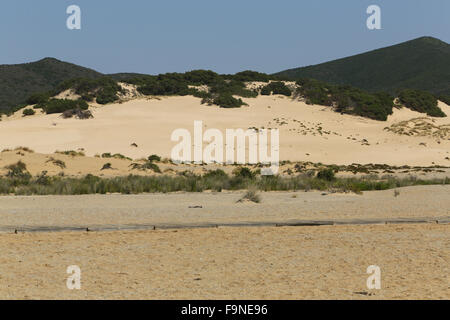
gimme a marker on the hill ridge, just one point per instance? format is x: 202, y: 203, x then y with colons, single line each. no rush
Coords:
x: 422, y: 63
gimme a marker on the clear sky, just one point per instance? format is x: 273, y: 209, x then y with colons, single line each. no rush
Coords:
x: 227, y: 36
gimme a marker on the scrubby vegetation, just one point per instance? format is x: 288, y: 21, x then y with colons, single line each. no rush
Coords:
x: 421, y: 101
x: 225, y: 91
x: 104, y: 89
x: 220, y: 88
x: 77, y: 113
x: 28, y: 112
x: 326, y: 174
x: 71, y: 153
x: 252, y: 196
x: 19, y: 82
x: 276, y: 87
x: 445, y: 99
x: 61, y: 105
x: 346, y: 99
x: 18, y: 181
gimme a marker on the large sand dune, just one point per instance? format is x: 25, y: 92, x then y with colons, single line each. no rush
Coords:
x: 307, y: 133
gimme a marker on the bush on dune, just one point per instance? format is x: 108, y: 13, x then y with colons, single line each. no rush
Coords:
x: 104, y: 89
x: 445, y: 99
x: 226, y: 100
x: 346, y: 99
x: 421, y: 101
x: 276, y: 88
x: 28, y: 112
x: 62, y: 105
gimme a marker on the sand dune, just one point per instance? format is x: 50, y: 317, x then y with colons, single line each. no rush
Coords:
x: 307, y: 133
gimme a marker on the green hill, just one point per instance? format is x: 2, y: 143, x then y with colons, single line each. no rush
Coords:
x: 19, y: 81
x: 423, y: 64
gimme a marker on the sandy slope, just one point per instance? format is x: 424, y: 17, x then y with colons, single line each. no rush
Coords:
x: 230, y: 263
x: 150, y: 122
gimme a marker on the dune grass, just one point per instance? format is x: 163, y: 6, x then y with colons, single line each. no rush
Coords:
x: 24, y: 184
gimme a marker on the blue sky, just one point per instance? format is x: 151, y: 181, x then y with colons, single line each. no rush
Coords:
x: 157, y: 36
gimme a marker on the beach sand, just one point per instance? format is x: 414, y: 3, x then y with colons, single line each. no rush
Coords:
x: 427, y: 202
x: 327, y: 262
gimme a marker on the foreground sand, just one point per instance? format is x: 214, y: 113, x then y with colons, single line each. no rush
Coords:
x: 102, y: 211
x: 327, y: 262
x: 307, y: 133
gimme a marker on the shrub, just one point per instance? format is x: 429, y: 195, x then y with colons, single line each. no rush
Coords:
x: 71, y: 153
x: 226, y: 100
x: 326, y: 174
x: 251, y: 195
x: 37, y: 98
x: 347, y: 99
x: 146, y: 166
x: 154, y: 157
x: 421, y: 101
x: 104, y: 89
x: 77, y: 113
x: 276, y: 88
x: 28, y: 112
x: 18, y: 172
x: 218, y: 173
x: 243, y: 172
x: 57, y: 162
x: 445, y: 99
x: 249, y: 75
x: 61, y: 105
x: 106, y: 166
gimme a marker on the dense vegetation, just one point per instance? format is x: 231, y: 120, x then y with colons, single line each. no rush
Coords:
x: 347, y: 99
x: 214, y: 89
x: 276, y: 87
x: 19, y: 82
x: 421, y: 101
x: 445, y: 99
x: 104, y: 89
x: 220, y: 88
x: 62, y: 105
x: 423, y: 63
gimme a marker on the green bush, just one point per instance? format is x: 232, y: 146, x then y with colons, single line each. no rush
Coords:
x: 243, y: 172
x: 445, y: 99
x: 249, y: 75
x: 28, y: 112
x: 61, y: 105
x: 421, y: 101
x: 276, y: 88
x: 154, y: 157
x: 326, y: 174
x: 37, y: 98
x: 347, y: 99
x: 104, y: 89
x: 226, y: 100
